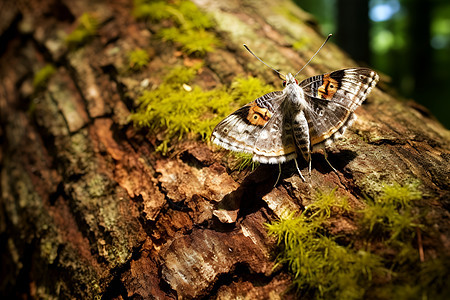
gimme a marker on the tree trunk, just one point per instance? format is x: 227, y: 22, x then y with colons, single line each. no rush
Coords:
x: 89, y: 209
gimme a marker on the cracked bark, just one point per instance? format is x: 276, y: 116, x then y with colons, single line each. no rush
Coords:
x: 89, y: 210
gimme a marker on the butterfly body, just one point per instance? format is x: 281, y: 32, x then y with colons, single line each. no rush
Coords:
x: 281, y: 125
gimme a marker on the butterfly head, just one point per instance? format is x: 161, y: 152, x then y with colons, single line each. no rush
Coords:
x: 289, y: 79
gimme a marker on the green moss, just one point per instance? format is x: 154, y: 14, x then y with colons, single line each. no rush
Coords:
x: 152, y: 10
x: 42, y: 76
x: 175, y: 112
x: 325, y: 202
x: 194, y: 16
x: 244, y: 161
x: 86, y: 29
x: 137, y: 59
x: 391, y: 214
x: 190, y: 32
x: 197, y: 42
x: 434, y: 276
x: 288, y: 14
x: 400, y: 196
x: 183, y: 13
x: 248, y: 89
x: 180, y: 74
x: 176, y: 109
x: 323, y: 268
x: 301, y: 44
x: 426, y: 280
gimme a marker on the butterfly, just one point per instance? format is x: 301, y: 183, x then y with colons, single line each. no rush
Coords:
x: 283, y: 125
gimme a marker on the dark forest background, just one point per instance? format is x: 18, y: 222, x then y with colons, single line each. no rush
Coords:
x: 408, y: 40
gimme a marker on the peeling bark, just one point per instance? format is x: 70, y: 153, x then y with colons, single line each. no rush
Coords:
x: 89, y: 209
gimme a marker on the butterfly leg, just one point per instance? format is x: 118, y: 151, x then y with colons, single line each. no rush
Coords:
x: 279, y: 174
x: 298, y: 169
x: 309, y: 167
x: 325, y: 155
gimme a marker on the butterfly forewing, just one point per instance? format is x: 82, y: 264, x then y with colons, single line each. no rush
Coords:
x: 332, y: 99
x: 240, y: 130
x: 348, y: 87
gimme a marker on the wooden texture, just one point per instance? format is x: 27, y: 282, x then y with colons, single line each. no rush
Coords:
x: 89, y: 210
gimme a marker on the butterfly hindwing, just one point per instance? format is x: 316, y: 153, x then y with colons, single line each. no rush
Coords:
x: 275, y: 142
x: 325, y: 118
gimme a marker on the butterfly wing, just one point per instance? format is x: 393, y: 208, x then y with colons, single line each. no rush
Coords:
x: 264, y: 127
x: 275, y: 142
x: 326, y: 119
x: 332, y: 98
x: 240, y: 130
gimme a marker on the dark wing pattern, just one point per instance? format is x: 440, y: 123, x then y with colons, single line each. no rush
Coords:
x: 240, y: 130
x: 332, y: 99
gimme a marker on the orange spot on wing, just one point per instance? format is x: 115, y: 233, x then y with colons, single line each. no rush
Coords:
x: 258, y: 116
x: 328, y: 88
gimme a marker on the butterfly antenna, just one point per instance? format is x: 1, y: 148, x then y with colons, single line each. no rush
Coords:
x: 276, y: 71
x: 328, y: 37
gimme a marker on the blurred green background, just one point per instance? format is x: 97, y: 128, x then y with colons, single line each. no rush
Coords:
x: 408, y: 40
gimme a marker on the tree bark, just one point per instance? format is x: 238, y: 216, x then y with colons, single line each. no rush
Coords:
x: 89, y: 209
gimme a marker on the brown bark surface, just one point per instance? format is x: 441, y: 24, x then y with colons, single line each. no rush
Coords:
x: 89, y: 209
